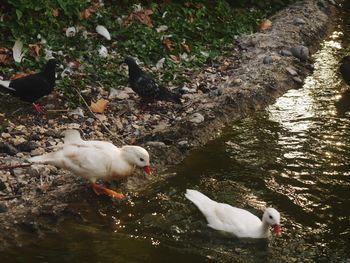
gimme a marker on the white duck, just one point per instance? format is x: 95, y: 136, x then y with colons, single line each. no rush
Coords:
x: 96, y: 160
x: 233, y: 220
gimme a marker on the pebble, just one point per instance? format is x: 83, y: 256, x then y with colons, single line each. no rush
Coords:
x: 292, y: 71
x: 298, y: 80
x: 268, y: 60
x: 118, y: 94
x: 156, y: 144
x: 183, y: 143
x: 196, y: 118
x: 26, y: 146
x: 298, y: 21
x: 5, y: 135
x: 78, y: 112
x: 286, y: 53
x: 300, y: 52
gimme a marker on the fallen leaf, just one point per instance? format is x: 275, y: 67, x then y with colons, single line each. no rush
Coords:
x: 74, y: 64
x: 20, y: 75
x: 264, y: 25
x: 99, y: 106
x: 34, y: 50
x: 142, y: 16
x: 4, y: 59
x: 55, y: 12
x: 185, y: 47
x: 174, y: 58
x: 86, y: 13
x: 168, y: 44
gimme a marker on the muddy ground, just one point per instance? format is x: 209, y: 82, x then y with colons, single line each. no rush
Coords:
x: 260, y: 69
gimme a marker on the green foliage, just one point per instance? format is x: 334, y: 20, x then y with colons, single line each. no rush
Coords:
x: 30, y: 17
x: 207, y: 28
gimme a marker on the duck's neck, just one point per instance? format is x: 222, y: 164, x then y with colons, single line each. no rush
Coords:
x: 265, y: 229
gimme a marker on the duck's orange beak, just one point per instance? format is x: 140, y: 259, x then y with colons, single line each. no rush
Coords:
x: 147, y: 170
x: 277, y: 229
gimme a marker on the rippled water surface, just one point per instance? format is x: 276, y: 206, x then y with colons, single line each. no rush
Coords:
x: 293, y: 156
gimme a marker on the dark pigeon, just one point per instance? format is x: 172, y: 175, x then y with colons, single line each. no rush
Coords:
x: 345, y: 69
x: 32, y: 87
x: 146, y: 87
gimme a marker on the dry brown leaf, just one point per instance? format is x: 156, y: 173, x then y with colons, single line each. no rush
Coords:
x: 175, y: 58
x: 86, y: 13
x: 55, y: 12
x: 5, y: 59
x: 34, y: 50
x: 99, y: 106
x: 74, y: 64
x: 21, y: 75
x: 264, y: 25
x: 186, y: 48
x: 142, y: 16
x: 4, y: 50
x: 168, y: 44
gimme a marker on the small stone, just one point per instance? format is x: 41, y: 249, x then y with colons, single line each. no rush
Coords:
x: 78, y: 111
x: 156, y: 144
x: 268, y: 60
x: 196, y: 118
x: 5, y: 135
x: 183, y: 143
x: 292, y: 71
x: 118, y: 94
x: 90, y: 120
x: 298, y: 21
x: 300, y: 52
x: 49, y: 106
x: 298, y: 80
x: 286, y: 53
x: 26, y: 146
x: 37, y: 151
x: 237, y: 81
x: 8, y: 149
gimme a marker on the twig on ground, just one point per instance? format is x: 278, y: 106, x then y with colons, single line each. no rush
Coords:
x: 104, y: 126
x: 9, y: 167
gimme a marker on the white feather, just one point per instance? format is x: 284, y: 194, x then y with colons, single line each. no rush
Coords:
x: 103, y: 51
x: 103, y: 32
x: 6, y: 84
x: 17, y: 51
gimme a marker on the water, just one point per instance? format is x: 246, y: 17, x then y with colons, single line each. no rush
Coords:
x: 293, y: 156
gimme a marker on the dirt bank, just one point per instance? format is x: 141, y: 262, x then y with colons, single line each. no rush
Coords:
x: 260, y: 69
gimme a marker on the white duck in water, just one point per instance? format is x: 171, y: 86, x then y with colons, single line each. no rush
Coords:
x: 96, y: 160
x: 233, y: 220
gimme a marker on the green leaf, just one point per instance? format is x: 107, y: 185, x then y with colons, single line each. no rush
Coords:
x: 19, y: 14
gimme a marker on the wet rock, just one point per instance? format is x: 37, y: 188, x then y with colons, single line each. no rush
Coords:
x: 26, y: 146
x: 268, y: 60
x: 286, y: 53
x: 300, y: 52
x: 8, y: 149
x: 183, y: 144
x: 196, y: 118
x: 292, y: 71
x: 156, y: 144
x: 298, y: 21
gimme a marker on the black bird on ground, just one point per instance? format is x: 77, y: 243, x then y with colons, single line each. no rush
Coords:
x: 32, y: 87
x: 345, y: 69
x: 146, y: 87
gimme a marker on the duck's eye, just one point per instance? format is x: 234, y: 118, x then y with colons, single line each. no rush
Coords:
x: 270, y: 216
x: 141, y: 159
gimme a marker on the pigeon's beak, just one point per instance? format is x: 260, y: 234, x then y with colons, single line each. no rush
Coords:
x: 277, y: 229
x: 147, y: 170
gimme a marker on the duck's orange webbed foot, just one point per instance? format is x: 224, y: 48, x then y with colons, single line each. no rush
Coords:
x: 102, y: 190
